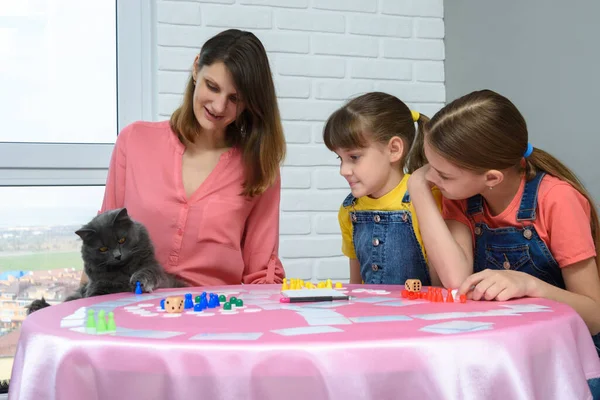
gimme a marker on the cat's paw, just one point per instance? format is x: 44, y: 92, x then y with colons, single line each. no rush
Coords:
x: 37, y: 305
x: 147, y: 281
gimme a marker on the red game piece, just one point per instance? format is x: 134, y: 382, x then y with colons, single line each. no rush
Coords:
x: 405, y: 293
x: 439, y: 298
x: 449, y: 298
x: 463, y: 298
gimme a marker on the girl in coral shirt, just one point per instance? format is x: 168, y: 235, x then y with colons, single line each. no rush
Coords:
x: 516, y: 222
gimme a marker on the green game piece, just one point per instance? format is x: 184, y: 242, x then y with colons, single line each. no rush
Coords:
x: 227, y: 306
x: 239, y: 303
x: 91, y: 321
x: 232, y: 300
x: 222, y: 298
x: 101, y: 322
x: 111, y: 327
x: 197, y: 299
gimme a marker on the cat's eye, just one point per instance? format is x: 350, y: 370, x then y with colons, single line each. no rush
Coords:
x: 122, y: 240
x: 103, y: 249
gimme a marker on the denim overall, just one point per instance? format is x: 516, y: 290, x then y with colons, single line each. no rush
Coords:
x: 386, y: 245
x: 519, y: 249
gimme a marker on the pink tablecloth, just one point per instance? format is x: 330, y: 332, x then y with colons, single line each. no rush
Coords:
x: 376, y: 346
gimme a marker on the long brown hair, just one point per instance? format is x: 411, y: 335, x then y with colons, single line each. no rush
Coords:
x: 484, y: 130
x: 378, y: 117
x: 257, y: 132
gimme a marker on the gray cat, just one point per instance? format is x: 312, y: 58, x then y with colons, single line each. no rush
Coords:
x: 117, y: 253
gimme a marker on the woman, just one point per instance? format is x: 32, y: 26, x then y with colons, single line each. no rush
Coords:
x: 206, y: 184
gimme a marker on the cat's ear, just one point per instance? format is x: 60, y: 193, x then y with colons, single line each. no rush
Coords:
x: 85, y: 233
x: 121, y: 216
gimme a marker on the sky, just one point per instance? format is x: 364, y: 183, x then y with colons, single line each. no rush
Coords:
x: 58, y: 86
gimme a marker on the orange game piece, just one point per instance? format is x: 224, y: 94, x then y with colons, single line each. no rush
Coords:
x: 463, y: 298
x: 439, y: 298
x: 404, y: 293
x: 449, y: 298
x: 412, y: 295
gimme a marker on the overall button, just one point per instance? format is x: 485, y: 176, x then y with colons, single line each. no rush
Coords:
x: 375, y: 242
x: 478, y: 230
x: 404, y: 217
x: 353, y: 217
x: 376, y: 218
x: 527, y: 233
x: 374, y: 267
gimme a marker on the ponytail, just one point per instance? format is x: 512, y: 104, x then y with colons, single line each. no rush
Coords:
x: 416, y: 155
x: 539, y: 160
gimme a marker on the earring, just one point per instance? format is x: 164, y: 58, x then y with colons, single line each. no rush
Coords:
x: 491, y: 187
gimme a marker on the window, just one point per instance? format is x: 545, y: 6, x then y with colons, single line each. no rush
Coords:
x: 39, y: 252
x: 73, y: 73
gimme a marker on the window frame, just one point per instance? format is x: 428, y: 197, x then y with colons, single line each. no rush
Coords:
x: 86, y: 164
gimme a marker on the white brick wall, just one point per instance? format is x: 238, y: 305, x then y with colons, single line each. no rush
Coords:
x: 321, y: 53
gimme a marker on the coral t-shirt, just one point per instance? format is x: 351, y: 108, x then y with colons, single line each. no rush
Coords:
x: 562, y: 219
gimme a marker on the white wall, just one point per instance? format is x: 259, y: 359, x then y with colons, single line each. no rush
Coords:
x: 321, y: 52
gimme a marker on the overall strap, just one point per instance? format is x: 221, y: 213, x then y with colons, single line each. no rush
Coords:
x: 348, y: 200
x: 529, y: 200
x: 475, y: 205
x: 406, y: 198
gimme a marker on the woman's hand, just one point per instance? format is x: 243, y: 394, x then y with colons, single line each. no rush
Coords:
x: 492, y: 284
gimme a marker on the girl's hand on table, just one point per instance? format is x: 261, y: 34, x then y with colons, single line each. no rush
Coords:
x: 498, y: 285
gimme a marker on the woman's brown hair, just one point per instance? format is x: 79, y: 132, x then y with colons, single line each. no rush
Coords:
x: 257, y: 132
x: 376, y: 117
x: 484, y: 130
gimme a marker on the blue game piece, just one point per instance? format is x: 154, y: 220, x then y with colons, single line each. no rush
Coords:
x: 138, y: 288
x: 203, y: 303
x: 189, y: 303
x: 162, y: 304
x: 198, y: 307
x: 211, y: 302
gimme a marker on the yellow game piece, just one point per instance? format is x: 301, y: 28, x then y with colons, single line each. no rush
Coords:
x: 328, y: 285
x: 338, y: 285
x: 321, y: 285
x: 284, y: 286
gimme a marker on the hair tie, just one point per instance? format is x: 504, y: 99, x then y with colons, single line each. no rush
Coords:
x: 415, y: 115
x: 528, y: 151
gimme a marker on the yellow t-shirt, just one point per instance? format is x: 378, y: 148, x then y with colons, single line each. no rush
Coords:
x: 389, y: 202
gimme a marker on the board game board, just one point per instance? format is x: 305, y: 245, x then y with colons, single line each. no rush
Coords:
x: 371, y: 346
x: 264, y: 317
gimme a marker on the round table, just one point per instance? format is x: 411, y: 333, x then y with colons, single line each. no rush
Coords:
x: 377, y: 345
